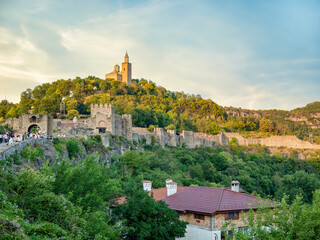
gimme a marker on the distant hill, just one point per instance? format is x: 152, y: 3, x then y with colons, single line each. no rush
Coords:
x: 154, y: 106
x: 303, y: 122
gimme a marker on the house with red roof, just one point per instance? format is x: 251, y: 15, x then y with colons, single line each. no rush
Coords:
x: 206, y: 209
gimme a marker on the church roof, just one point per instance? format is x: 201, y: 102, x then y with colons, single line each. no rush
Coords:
x: 113, y: 72
x: 126, y: 56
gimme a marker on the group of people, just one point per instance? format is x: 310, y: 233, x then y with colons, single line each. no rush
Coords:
x: 10, y: 138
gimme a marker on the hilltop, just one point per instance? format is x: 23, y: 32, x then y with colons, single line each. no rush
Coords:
x: 154, y: 106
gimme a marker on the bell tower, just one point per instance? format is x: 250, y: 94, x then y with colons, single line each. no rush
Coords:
x: 126, y: 70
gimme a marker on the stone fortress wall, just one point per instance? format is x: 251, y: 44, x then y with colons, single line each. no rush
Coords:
x: 105, y: 121
x: 8, y: 150
x: 25, y: 122
x: 192, y: 140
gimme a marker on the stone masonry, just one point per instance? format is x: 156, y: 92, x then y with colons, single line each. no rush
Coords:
x: 105, y: 121
x: 25, y: 122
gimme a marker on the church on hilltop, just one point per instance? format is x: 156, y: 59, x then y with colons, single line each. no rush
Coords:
x: 125, y: 75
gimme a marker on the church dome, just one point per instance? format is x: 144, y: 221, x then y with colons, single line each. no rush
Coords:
x: 116, y: 68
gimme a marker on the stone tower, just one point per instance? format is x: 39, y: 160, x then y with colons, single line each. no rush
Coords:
x: 126, y: 70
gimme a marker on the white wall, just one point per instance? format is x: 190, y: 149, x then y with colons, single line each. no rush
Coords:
x: 199, y: 233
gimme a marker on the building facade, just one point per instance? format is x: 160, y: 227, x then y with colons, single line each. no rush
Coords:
x: 125, y: 75
x: 206, y: 209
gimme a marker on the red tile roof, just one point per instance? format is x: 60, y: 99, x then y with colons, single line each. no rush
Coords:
x: 209, y: 200
x: 158, y: 194
x: 172, y: 183
x: 240, y: 189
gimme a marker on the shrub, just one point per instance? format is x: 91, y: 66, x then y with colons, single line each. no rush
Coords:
x: 31, y: 154
x: 72, y: 147
x: 73, y: 113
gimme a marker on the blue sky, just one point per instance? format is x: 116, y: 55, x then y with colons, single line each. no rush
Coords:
x: 249, y: 54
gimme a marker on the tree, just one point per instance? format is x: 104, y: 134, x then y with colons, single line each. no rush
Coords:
x: 104, y: 86
x: 266, y: 125
x: 144, y: 218
x: 13, y: 112
x: 300, y: 182
x: 71, y: 104
x: 26, y: 101
x: 5, y: 106
x: 297, y: 221
x: 73, y: 113
x: 87, y: 183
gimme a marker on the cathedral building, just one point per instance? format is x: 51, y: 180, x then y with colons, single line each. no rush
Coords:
x: 125, y: 75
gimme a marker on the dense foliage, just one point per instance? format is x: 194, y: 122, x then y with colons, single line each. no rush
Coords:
x: 70, y: 198
x: 152, y: 105
x: 302, y: 122
x: 297, y: 221
x: 144, y: 218
x: 64, y: 200
x: 5, y: 129
x: 259, y: 173
x: 148, y: 104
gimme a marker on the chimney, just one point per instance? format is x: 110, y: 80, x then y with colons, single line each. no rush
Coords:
x: 147, y: 186
x: 168, y: 181
x: 235, y: 186
x: 172, y: 188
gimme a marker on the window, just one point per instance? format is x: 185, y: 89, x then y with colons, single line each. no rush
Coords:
x: 232, y: 215
x: 102, y: 130
x: 243, y: 230
x: 199, y: 216
x: 33, y: 119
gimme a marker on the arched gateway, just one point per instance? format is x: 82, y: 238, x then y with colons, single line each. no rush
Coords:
x: 32, y: 122
x: 34, y: 128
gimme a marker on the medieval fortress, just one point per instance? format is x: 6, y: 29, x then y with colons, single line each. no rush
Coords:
x: 104, y: 121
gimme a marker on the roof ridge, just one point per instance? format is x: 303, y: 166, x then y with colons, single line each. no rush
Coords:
x: 246, y: 194
x: 220, y: 198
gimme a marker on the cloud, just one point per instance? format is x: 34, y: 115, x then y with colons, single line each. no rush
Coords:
x: 22, y: 64
x: 206, y: 49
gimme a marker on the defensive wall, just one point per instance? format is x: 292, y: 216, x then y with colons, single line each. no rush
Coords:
x: 7, y: 150
x: 192, y: 140
x: 104, y: 120
x: 25, y: 122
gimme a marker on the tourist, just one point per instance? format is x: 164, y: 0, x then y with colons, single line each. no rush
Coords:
x: 6, y: 138
x: 1, y: 138
x: 11, y: 141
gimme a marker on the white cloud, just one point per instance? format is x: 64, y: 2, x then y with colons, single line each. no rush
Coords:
x: 22, y: 64
x: 165, y: 45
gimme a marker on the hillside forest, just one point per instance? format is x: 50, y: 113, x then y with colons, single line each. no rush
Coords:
x: 154, y: 106
x: 67, y: 189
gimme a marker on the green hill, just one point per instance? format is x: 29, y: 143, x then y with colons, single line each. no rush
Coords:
x: 152, y: 105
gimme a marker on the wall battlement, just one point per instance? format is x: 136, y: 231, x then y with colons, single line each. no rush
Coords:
x: 107, y: 109
x: 104, y: 120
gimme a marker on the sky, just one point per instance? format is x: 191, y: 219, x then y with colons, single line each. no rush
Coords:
x: 248, y: 54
